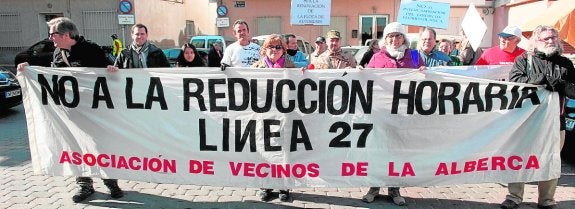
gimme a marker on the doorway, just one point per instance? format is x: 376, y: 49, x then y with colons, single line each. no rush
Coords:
x: 371, y: 27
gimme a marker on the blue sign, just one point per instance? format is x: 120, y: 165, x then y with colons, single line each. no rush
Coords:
x: 125, y: 6
x: 424, y: 13
x: 222, y: 10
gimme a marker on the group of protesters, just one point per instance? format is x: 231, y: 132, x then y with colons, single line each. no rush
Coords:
x: 542, y: 64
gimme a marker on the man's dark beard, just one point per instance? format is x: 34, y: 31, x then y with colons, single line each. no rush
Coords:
x: 291, y: 52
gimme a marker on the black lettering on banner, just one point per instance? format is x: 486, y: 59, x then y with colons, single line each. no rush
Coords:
x: 398, y: 95
x: 226, y: 135
x: 514, y: 97
x: 344, y: 97
x: 528, y: 93
x: 279, y: 96
x: 301, y: 96
x: 489, y: 96
x: 214, y: 96
x: 75, y: 91
x: 338, y: 141
x: 101, y: 84
x: 419, y: 98
x: 322, y: 96
x: 156, y: 86
x: 197, y: 94
x: 364, y: 99
x: 268, y: 134
x: 129, y: 99
x: 203, y: 139
x: 268, y: 96
x: 299, y: 127
x: 472, y: 96
x: 245, y: 94
x: 46, y: 89
x: 241, y: 139
x: 443, y: 97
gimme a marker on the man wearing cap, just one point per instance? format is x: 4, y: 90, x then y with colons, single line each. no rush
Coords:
x: 334, y: 58
x: 506, y: 52
x: 320, y: 48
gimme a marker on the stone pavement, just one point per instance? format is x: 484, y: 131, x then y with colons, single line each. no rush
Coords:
x: 20, y: 189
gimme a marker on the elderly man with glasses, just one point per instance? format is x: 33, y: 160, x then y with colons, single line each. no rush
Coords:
x: 543, y: 64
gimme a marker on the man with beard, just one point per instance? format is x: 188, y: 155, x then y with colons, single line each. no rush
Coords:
x: 543, y: 64
x: 293, y: 54
x: 334, y: 58
x: 243, y: 52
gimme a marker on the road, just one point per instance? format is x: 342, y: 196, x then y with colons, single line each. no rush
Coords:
x: 19, y: 188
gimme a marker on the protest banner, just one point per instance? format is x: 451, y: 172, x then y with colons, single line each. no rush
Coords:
x: 281, y: 128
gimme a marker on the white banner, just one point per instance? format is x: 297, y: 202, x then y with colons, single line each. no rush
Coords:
x: 284, y: 128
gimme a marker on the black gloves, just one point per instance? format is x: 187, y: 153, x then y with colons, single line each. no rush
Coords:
x: 224, y: 66
x: 555, y: 84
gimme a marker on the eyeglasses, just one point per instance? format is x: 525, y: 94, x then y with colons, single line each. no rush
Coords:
x: 50, y: 35
x: 277, y: 47
x: 394, y: 35
x: 553, y: 38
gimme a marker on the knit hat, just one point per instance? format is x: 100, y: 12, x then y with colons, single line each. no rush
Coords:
x: 394, y: 27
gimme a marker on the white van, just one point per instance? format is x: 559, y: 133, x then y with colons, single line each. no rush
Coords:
x: 203, y: 43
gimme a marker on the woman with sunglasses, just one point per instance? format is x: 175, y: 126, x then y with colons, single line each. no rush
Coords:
x: 273, y: 54
x: 189, y: 57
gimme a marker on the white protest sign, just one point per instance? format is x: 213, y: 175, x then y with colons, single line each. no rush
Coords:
x: 310, y: 12
x: 473, y: 26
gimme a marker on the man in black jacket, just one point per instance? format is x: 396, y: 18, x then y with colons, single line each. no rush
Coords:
x: 72, y: 50
x: 543, y: 64
x: 141, y: 53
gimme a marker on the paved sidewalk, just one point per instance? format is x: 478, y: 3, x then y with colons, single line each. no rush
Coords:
x: 20, y: 189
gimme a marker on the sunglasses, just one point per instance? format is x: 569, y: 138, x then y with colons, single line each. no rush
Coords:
x: 394, y: 35
x: 553, y: 38
x: 50, y: 35
x: 277, y: 47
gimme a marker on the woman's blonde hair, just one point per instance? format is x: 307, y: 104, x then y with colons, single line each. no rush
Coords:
x: 273, y: 39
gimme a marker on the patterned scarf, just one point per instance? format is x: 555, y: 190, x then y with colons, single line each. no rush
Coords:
x: 140, y: 55
x: 278, y: 64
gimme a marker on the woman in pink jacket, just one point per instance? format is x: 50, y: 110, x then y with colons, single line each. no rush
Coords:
x: 395, y: 52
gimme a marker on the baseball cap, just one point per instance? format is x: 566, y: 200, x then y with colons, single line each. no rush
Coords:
x: 320, y: 39
x: 510, y: 31
x: 333, y: 34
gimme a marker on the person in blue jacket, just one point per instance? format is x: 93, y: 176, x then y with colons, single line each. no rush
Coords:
x: 293, y: 53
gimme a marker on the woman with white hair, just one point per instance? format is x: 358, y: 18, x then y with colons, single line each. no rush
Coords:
x: 394, y: 53
x: 394, y: 50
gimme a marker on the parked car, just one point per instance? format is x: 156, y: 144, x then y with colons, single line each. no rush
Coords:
x: 173, y: 53
x: 356, y: 51
x: 39, y: 54
x: 302, y: 45
x: 569, y: 146
x: 10, y: 90
x: 203, y: 43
